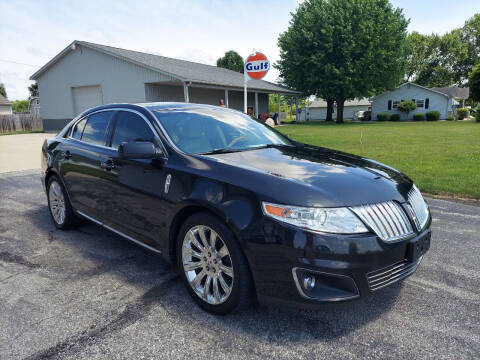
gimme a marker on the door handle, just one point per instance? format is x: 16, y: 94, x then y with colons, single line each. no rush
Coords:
x: 107, y: 165
x: 67, y: 154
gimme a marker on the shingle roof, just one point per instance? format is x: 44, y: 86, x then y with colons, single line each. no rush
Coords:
x: 179, y: 69
x: 4, y: 100
x: 454, y: 91
x: 355, y: 102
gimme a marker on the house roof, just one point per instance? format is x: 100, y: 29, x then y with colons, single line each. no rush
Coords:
x: 413, y: 84
x: 355, y: 102
x: 4, y: 100
x: 182, y: 70
x: 454, y: 91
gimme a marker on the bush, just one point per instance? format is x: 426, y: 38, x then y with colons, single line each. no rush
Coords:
x: 462, y: 113
x: 406, y: 106
x: 367, y: 116
x: 382, y: 116
x: 418, y: 117
x: 394, y: 117
x: 450, y: 117
x: 432, y: 115
x: 477, y: 117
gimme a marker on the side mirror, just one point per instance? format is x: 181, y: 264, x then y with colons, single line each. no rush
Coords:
x: 138, y: 150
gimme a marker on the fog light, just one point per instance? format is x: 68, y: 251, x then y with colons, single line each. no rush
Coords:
x: 309, y: 282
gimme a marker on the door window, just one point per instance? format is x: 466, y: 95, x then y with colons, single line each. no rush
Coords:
x: 131, y: 127
x: 95, y: 130
x: 78, y: 129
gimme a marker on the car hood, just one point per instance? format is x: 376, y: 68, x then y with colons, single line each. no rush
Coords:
x: 314, y: 176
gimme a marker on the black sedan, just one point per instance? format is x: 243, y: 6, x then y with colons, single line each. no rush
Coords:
x: 243, y: 211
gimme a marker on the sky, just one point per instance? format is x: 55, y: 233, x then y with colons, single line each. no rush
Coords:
x: 32, y: 32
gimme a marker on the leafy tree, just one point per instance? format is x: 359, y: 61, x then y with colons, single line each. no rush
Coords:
x: 343, y: 49
x: 231, y: 60
x: 20, y: 106
x: 2, y: 90
x: 406, y: 106
x: 33, y: 89
x: 474, y: 83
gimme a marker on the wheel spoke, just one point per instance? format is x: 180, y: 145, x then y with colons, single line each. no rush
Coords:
x: 226, y: 270
x: 216, y: 291
x: 224, y: 285
x: 198, y: 279
x: 223, y: 251
x: 206, y: 287
x: 201, y: 232
x: 213, y: 238
x: 188, y: 251
x: 191, y: 265
x: 193, y: 239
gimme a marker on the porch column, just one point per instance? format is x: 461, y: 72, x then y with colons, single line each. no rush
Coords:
x: 226, y: 98
x: 256, y: 104
x: 185, y: 93
x: 296, y: 108
x: 278, y: 117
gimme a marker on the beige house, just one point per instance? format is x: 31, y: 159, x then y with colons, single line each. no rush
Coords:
x: 5, y: 106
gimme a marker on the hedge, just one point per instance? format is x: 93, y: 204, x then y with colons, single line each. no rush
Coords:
x: 394, y: 117
x: 418, y: 117
x: 432, y: 115
x: 462, y: 113
x: 382, y: 116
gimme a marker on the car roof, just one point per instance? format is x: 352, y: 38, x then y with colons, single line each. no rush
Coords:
x: 155, y: 106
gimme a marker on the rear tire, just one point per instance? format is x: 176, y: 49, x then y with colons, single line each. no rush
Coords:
x: 59, y: 205
x: 212, y: 265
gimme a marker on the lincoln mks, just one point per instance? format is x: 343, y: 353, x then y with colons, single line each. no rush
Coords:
x: 243, y: 212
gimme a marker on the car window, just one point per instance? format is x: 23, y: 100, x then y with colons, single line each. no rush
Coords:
x: 95, y: 130
x: 206, y: 129
x: 131, y: 127
x: 78, y: 129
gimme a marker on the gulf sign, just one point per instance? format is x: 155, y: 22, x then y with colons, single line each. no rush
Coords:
x: 257, y: 66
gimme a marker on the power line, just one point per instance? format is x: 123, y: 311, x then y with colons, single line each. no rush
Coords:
x: 18, y: 63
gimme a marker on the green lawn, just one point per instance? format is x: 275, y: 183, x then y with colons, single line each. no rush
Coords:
x: 16, y: 132
x: 441, y: 157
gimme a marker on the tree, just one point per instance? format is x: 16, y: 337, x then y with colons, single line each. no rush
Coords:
x: 231, y: 60
x: 343, y: 49
x: 33, y: 89
x: 20, y: 106
x: 474, y: 83
x: 3, y: 91
x: 406, y: 106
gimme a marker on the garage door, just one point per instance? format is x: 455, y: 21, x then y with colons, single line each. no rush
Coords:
x: 85, y: 97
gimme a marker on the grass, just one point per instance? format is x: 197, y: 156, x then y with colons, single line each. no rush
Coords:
x: 441, y: 157
x: 16, y: 132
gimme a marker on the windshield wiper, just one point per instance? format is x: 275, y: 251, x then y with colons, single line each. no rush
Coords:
x: 220, y: 151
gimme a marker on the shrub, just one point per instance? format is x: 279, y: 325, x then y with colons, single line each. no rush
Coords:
x: 394, y: 117
x: 432, y: 115
x: 367, y: 116
x: 450, y: 117
x: 406, y: 106
x: 462, y: 113
x: 477, y: 117
x: 418, y: 117
x: 382, y: 116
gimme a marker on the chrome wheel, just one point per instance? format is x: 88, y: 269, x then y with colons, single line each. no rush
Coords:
x: 207, y: 264
x: 57, y: 202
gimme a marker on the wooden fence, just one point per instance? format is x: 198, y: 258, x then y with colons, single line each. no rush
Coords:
x: 18, y: 122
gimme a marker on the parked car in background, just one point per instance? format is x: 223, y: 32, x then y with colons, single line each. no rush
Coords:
x: 242, y: 210
x: 358, y: 115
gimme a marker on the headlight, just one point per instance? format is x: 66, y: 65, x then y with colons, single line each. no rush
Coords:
x: 331, y: 220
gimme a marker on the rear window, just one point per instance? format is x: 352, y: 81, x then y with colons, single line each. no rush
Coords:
x: 95, y: 130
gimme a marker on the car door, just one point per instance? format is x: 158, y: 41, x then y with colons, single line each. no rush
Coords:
x: 80, y: 167
x: 135, y: 206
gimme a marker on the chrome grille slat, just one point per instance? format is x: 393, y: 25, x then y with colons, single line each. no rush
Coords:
x: 380, y: 278
x: 419, y: 206
x: 388, y: 220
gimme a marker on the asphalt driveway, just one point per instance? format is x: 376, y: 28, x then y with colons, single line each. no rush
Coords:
x: 89, y: 294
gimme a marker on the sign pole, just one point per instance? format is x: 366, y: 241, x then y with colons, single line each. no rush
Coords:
x: 245, y: 79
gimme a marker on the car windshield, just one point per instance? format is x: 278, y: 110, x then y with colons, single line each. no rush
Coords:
x: 211, y: 130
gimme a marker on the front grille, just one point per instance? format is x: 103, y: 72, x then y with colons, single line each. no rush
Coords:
x: 387, y: 220
x: 380, y: 278
x: 419, y: 207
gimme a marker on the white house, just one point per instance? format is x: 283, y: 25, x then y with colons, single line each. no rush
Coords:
x: 426, y: 99
x: 5, y: 106
x: 317, y: 109
x: 85, y: 75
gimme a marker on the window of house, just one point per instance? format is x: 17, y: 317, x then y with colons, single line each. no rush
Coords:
x: 420, y: 103
x: 389, y: 104
x: 427, y: 103
x: 395, y: 103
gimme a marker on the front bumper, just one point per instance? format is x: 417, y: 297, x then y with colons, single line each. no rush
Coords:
x: 345, y: 267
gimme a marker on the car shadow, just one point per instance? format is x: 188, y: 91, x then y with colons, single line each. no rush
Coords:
x: 106, y: 252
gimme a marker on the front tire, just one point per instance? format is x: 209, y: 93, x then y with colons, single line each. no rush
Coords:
x: 59, y: 205
x: 213, y: 266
